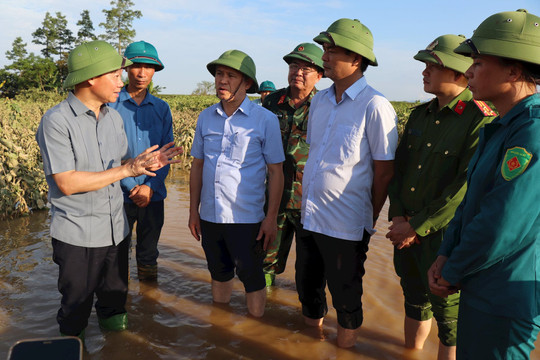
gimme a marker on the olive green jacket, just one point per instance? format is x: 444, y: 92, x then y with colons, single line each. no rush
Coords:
x: 432, y: 159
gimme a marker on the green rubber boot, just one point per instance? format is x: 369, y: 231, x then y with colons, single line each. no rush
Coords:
x: 147, y: 272
x: 117, y: 322
x: 80, y: 336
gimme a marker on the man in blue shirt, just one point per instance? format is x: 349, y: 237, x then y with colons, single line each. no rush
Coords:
x: 147, y: 122
x: 236, y: 144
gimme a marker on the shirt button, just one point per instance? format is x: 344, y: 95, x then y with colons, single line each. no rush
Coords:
x: 410, y: 146
x: 437, y: 122
x: 428, y: 144
x: 419, y: 166
x: 427, y: 231
x: 412, y: 189
x: 446, y: 152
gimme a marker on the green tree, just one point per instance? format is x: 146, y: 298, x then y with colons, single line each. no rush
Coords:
x: 86, y: 28
x: 18, y: 50
x: 118, y: 23
x: 54, y: 35
x: 205, y: 88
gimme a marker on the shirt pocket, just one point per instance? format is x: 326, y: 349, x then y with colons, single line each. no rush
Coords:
x: 347, y: 141
x: 239, y: 148
x: 446, y: 161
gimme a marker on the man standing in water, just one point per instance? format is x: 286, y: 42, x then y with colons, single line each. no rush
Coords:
x: 429, y: 183
x: 291, y: 105
x: 83, y: 145
x: 147, y: 121
x: 352, y: 136
x: 236, y: 144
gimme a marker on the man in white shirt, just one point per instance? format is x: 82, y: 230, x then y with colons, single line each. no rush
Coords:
x: 352, y: 135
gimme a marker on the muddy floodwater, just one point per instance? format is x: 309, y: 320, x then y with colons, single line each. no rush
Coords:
x: 175, y: 318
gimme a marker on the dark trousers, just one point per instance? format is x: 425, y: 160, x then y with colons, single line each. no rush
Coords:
x: 321, y: 259
x: 149, y: 223
x: 85, y: 271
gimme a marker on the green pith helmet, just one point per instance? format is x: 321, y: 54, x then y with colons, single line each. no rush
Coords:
x: 236, y: 60
x: 511, y: 34
x: 441, y: 52
x: 143, y: 52
x: 351, y: 35
x: 308, y: 52
x: 91, y: 59
x: 267, y: 85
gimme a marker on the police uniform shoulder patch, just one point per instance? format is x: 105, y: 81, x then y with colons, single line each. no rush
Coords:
x: 484, y: 108
x: 515, y: 162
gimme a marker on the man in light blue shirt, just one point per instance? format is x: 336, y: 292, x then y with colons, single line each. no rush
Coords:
x: 352, y: 136
x: 236, y: 145
x: 147, y: 122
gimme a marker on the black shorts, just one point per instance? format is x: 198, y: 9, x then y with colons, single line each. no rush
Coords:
x: 233, y: 247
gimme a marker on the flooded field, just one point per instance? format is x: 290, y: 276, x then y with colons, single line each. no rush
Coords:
x: 175, y: 318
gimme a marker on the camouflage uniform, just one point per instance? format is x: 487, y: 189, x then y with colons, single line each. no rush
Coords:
x: 293, y: 124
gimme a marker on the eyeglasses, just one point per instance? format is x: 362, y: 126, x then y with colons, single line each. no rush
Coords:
x: 294, y: 67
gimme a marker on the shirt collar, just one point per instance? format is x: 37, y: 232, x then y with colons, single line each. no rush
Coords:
x: 464, y: 96
x: 352, y: 91
x: 245, y: 107
x: 79, y: 108
x: 518, y: 109
x: 124, y: 96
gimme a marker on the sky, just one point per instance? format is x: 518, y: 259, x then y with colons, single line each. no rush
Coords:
x: 189, y: 34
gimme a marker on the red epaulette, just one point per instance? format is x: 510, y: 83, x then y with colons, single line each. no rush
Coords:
x: 485, y: 109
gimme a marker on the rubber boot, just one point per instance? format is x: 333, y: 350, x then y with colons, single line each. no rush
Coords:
x: 117, y: 322
x: 147, y: 272
x: 80, y: 336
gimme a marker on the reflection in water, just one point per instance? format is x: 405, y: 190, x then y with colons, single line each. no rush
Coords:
x: 175, y: 318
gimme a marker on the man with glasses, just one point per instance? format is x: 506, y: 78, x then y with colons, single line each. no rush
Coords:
x: 291, y: 105
x: 352, y: 135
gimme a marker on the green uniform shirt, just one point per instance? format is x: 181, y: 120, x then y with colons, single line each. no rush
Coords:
x: 432, y: 160
x: 293, y: 124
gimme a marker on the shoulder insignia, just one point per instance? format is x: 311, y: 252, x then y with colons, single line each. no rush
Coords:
x: 515, y: 162
x: 282, y: 99
x: 460, y: 107
x: 484, y: 108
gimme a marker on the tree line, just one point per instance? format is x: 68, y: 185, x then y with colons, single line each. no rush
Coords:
x: 47, y: 71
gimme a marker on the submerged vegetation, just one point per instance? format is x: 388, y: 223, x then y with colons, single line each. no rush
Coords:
x: 22, y: 183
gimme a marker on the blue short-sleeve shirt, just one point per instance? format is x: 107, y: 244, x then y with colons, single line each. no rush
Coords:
x: 236, y: 150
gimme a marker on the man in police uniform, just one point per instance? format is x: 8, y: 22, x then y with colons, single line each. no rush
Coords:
x: 291, y: 105
x: 430, y: 182
x: 147, y: 121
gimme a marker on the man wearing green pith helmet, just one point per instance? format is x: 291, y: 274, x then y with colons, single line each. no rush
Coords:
x: 84, y: 148
x: 291, y: 105
x: 429, y: 183
x: 147, y: 121
x: 352, y: 136
x: 236, y: 144
x: 266, y: 88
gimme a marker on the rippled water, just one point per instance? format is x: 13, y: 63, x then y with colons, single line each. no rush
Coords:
x: 175, y: 319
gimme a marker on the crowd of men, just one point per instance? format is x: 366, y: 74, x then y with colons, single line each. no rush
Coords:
x: 314, y: 166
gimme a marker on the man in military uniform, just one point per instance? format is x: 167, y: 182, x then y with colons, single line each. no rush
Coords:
x: 430, y: 182
x: 291, y: 105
